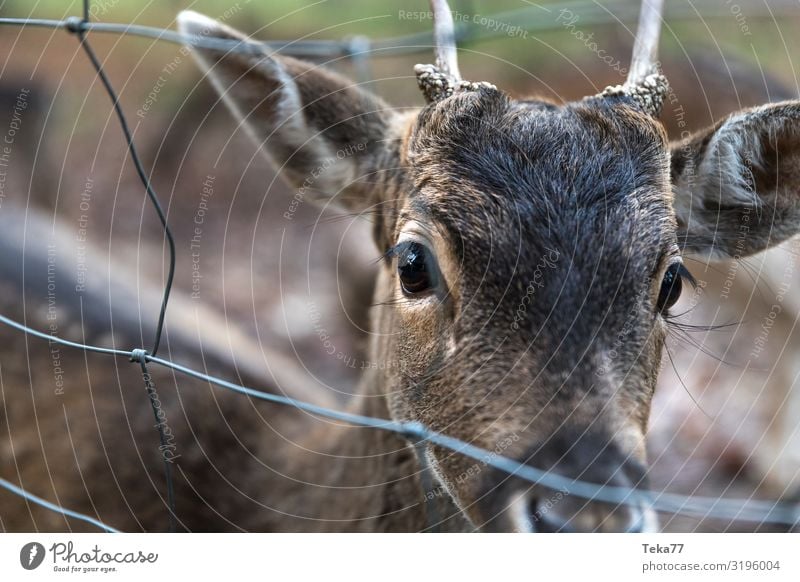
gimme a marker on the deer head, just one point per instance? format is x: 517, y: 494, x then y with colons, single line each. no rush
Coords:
x: 532, y: 250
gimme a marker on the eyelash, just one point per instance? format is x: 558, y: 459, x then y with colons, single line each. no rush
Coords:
x: 394, y: 251
x: 684, y: 272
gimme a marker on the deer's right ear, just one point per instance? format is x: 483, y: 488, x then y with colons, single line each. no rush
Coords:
x: 327, y: 136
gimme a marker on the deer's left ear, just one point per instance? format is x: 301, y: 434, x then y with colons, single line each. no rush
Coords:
x: 737, y: 185
x: 327, y: 136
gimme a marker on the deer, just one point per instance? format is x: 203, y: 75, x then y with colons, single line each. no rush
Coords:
x: 531, y: 254
x: 470, y: 196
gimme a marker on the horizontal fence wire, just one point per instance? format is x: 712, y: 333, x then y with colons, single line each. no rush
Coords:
x: 16, y: 490
x: 749, y: 510
x: 537, y: 18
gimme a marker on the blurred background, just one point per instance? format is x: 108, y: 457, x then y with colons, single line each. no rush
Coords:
x: 724, y: 424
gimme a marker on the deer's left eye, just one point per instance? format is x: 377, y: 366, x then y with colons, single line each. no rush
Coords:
x: 671, y: 286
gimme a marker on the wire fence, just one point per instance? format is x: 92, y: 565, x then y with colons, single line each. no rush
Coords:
x: 758, y: 511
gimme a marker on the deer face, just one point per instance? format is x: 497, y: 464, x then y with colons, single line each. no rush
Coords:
x: 526, y: 291
x: 532, y: 253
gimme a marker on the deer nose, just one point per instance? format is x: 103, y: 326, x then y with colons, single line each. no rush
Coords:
x: 548, y: 514
x: 590, y: 459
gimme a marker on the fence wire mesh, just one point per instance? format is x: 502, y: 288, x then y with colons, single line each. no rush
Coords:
x: 757, y: 511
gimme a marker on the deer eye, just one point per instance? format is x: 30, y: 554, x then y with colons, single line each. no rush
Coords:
x: 671, y: 286
x: 415, y: 268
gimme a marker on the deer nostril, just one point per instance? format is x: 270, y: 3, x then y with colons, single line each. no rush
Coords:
x: 546, y: 519
x: 545, y: 516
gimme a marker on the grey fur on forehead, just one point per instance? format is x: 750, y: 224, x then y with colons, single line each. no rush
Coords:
x: 648, y: 94
x: 436, y: 85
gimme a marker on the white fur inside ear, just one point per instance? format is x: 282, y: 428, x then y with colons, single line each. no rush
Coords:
x: 723, y: 174
x: 734, y: 149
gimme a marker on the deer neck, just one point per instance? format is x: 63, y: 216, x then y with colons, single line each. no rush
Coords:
x: 355, y: 478
x: 358, y: 478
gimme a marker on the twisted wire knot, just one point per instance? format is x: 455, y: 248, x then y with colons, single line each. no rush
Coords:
x: 139, y: 356
x: 75, y: 24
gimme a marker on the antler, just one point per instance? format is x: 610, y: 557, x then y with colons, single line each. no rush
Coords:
x: 645, y: 84
x: 441, y: 80
x: 444, y: 39
x: 644, y: 61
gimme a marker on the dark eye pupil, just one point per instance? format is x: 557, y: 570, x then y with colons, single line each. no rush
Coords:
x: 671, y: 287
x: 415, y: 276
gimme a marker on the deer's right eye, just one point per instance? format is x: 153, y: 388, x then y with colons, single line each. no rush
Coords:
x: 672, y: 285
x: 415, y: 268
